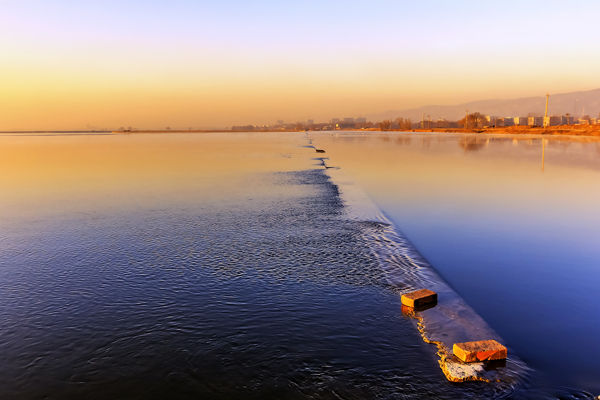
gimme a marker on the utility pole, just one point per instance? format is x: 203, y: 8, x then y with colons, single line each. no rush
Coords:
x: 546, y: 122
x: 568, y: 122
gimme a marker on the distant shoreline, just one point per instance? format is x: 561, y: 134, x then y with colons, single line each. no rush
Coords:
x: 571, y: 130
x: 578, y: 130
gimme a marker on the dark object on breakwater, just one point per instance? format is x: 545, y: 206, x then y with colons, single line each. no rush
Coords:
x: 482, y: 350
x: 419, y: 298
x: 320, y: 151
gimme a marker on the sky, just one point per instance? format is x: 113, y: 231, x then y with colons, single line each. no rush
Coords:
x: 182, y: 63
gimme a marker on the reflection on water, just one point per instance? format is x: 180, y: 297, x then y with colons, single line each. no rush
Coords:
x: 472, y: 143
x: 518, y: 243
x: 196, y: 266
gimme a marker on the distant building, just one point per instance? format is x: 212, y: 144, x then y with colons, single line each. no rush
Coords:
x: 521, y: 121
x: 279, y: 122
x: 346, y: 123
x: 335, y: 121
x: 504, y: 121
x: 311, y: 122
x: 539, y: 121
x: 552, y: 120
x: 584, y: 122
x: 490, y: 120
x: 360, y: 120
x: 567, y: 120
x: 427, y: 124
x: 509, y: 121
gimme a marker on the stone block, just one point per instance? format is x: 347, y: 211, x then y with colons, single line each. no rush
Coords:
x: 482, y: 350
x: 419, y: 298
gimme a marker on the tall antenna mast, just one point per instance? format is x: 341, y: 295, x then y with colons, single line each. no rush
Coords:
x: 546, y: 122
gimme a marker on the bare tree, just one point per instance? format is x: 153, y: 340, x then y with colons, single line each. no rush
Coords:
x: 385, y: 125
x: 404, y: 124
x: 476, y: 120
x: 399, y: 121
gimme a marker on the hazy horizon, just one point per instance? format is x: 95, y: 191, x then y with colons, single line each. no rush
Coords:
x: 183, y: 64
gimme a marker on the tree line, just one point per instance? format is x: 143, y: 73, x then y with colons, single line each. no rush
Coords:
x: 399, y: 123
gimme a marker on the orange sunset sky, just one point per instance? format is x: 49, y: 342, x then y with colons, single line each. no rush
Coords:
x: 67, y: 65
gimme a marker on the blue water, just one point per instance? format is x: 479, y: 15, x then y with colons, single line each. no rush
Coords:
x: 518, y: 243
x: 200, y: 266
x: 189, y: 282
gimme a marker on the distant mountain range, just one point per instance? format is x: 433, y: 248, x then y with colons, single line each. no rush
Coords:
x: 559, y: 104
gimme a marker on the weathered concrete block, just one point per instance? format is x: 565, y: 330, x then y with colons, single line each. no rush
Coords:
x: 479, y: 351
x: 419, y: 298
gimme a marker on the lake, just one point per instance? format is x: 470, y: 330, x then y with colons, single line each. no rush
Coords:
x: 237, y: 266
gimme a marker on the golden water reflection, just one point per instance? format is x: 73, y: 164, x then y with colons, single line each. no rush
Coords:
x: 43, y: 172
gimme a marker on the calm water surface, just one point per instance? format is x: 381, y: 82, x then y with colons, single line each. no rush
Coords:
x: 226, y: 266
x: 520, y: 244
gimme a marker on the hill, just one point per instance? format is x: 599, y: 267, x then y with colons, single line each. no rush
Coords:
x: 559, y: 104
